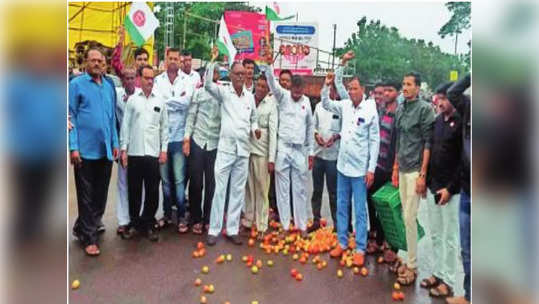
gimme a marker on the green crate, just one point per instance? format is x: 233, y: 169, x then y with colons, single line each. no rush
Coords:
x: 387, y: 203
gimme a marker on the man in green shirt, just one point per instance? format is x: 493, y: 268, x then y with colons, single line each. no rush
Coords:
x: 414, y: 125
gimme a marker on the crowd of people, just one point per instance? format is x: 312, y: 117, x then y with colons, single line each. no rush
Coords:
x: 243, y: 149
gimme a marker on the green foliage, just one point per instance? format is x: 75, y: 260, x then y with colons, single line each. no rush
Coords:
x: 382, y: 54
x: 460, y: 20
x: 199, y: 33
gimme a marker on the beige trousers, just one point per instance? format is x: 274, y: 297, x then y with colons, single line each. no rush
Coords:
x: 410, y: 205
x: 256, y: 193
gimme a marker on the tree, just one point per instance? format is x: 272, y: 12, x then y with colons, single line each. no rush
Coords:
x: 459, y: 21
x: 382, y: 54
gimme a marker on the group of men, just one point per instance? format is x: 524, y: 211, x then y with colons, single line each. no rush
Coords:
x: 229, y: 140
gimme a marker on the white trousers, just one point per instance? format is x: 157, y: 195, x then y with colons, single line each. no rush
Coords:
x: 233, y: 167
x: 291, y: 171
x: 122, y: 204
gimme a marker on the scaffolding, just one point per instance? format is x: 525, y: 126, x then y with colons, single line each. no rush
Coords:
x: 97, y: 23
x: 169, y: 24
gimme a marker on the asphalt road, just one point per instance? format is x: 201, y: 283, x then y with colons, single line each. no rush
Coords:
x: 138, y: 271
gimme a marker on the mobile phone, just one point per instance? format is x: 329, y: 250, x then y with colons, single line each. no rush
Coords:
x: 437, y: 198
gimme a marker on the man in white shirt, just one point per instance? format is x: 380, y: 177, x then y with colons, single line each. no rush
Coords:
x: 122, y: 95
x: 327, y: 126
x: 285, y: 78
x: 200, y: 146
x: 144, y: 143
x: 176, y: 90
x: 261, y: 160
x: 356, y: 162
x: 238, y: 124
x: 295, y: 146
x: 186, y: 69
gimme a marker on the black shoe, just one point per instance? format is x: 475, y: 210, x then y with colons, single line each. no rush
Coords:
x: 315, y: 226
x: 101, y: 228
x: 128, y: 233
x: 152, y: 235
x: 211, y: 240
x: 76, y: 235
x: 235, y: 239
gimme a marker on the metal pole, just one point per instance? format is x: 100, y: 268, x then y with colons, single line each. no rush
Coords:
x: 333, y: 51
x: 317, y: 54
x: 456, y: 39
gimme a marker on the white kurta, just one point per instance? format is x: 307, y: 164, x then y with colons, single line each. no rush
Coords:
x: 295, y: 143
x: 238, y: 121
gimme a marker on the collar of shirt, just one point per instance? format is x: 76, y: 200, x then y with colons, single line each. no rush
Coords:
x: 90, y: 78
x: 233, y: 91
x: 360, y: 105
x: 142, y: 94
x: 451, y: 117
x: 410, y: 101
x: 251, y: 88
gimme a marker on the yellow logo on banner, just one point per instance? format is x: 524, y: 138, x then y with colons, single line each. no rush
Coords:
x: 453, y: 76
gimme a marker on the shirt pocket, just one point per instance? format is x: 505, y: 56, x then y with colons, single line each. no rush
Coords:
x: 155, y: 116
x: 335, y: 124
x: 263, y: 120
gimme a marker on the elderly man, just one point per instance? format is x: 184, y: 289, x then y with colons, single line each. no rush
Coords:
x: 238, y: 122
x: 93, y: 144
x: 122, y: 95
x: 356, y: 162
x: 295, y: 146
x: 144, y: 144
x: 262, y: 159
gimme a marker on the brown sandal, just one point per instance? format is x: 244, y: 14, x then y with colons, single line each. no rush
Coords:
x: 183, y: 228
x: 441, y: 292
x: 197, y: 228
x: 394, y: 267
x: 390, y: 256
x: 372, y: 247
x: 430, y: 282
x: 92, y: 250
x: 407, y: 276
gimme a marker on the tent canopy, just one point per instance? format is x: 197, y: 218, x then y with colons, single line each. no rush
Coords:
x: 100, y: 21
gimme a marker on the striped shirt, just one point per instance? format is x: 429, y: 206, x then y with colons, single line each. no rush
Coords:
x: 386, y: 156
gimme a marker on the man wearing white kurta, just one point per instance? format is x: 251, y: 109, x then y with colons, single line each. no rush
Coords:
x: 262, y: 159
x: 122, y: 95
x: 295, y: 145
x: 144, y: 142
x: 238, y: 122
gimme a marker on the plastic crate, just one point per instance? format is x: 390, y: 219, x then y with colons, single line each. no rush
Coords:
x: 388, y: 207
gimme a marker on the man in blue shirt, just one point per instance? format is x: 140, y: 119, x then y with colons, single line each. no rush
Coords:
x: 93, y: 144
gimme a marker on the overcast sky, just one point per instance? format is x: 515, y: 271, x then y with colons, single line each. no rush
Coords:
x: 420, y: 20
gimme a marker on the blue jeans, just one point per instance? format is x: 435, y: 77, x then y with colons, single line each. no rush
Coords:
x: 346, y: 187
x: 174, y: 169
x: 464, y: 218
